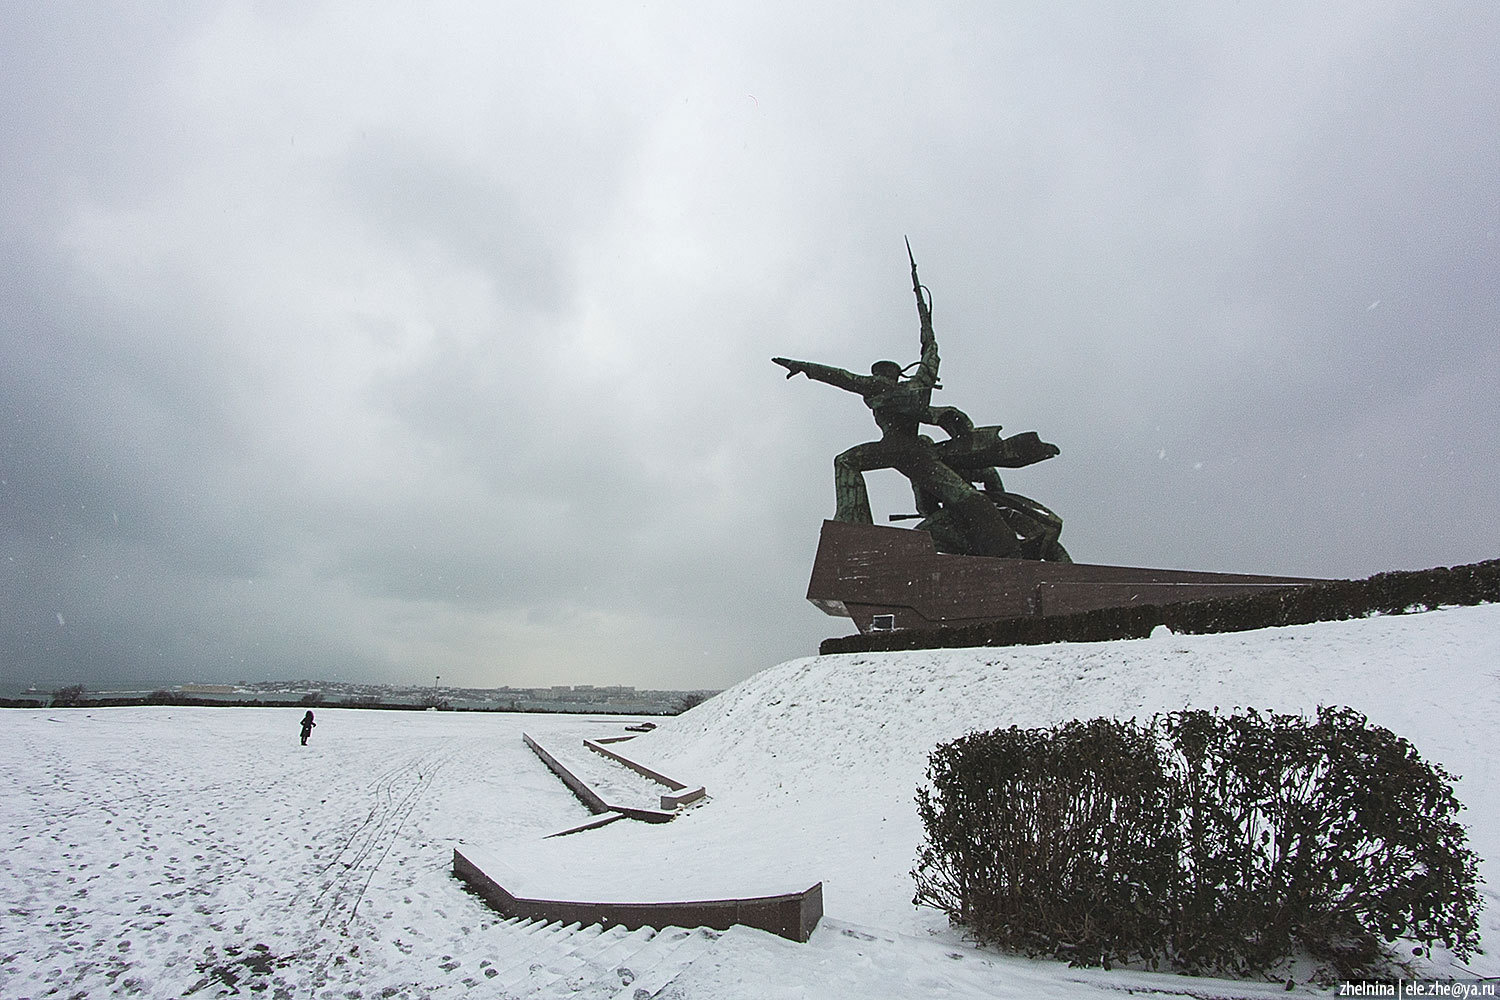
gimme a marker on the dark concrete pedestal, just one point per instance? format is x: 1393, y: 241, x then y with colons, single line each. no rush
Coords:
x: 892, y: 578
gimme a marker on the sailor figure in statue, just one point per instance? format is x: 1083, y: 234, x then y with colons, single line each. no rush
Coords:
x: 960, y: 517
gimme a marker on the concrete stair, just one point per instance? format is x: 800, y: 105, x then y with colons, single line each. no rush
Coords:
x: 532, y: 960
x: 653, y: 968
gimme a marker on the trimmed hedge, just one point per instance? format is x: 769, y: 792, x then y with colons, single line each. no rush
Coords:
x: 1035, y: 835
x: 1212, y: 844
x: 1335, y: 600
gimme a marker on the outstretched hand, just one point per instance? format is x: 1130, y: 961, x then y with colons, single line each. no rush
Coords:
x: 792, y: 367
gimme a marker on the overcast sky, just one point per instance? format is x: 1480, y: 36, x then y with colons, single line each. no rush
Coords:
x: 380, y: 341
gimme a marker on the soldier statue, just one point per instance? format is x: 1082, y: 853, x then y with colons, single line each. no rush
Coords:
x: 942, y: 475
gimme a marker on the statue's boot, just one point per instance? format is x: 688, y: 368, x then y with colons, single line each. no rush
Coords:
x: 984, y: 527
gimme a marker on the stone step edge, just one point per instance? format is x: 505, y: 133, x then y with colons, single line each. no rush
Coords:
x: 603, y: 819
x: 790, y: 915
x: 591, y: 799
x: 680, y: 795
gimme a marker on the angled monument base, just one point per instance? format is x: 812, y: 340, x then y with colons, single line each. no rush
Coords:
x: 893, y: 578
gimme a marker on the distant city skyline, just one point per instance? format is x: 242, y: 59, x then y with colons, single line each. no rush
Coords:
x: 611, y: 699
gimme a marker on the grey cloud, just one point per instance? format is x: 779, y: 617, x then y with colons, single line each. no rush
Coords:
x: 442, y: 346
x: 479, y: 221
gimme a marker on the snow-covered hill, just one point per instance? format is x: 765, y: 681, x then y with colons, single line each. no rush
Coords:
x: 171, y: 851
x: 834, y: 747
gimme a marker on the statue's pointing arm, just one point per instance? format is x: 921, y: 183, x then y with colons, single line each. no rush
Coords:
x: 838, y: 377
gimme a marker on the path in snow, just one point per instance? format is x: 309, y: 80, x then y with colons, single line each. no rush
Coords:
x: 168, y: 851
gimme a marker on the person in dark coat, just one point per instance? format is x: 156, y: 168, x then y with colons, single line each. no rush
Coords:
x: 307, y: 726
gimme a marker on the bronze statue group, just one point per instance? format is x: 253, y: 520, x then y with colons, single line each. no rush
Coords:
x: 955, y: 483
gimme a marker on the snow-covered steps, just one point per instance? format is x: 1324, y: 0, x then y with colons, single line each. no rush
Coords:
x: 663, y: 959
x: 604, y: 786
x: 789, y: 915
x: 542, y: 960
x: 679, y: 794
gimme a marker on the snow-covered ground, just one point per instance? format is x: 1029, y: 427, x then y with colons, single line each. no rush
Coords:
x: 166, y: 852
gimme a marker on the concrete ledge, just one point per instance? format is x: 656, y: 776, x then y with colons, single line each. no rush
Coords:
x: 792, y: 916
x: 593, y: 824
x: 590, y: 798
x: 576, y: 785
x: 681, y: 797
x: 681, y: 794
